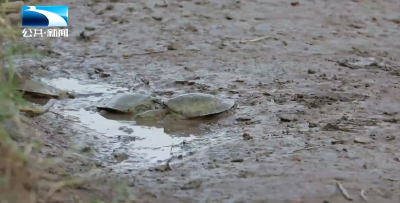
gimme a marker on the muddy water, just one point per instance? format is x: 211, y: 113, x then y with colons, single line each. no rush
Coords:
x: 142, y: 144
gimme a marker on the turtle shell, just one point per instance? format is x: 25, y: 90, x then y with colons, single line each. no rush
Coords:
x: 198, y: 104
x: 128, y: 103
x: 38, y: 88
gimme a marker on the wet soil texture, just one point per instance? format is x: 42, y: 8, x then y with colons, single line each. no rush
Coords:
x: 317, y: 86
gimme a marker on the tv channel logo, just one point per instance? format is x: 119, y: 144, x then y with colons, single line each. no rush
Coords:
x: 44, y: 16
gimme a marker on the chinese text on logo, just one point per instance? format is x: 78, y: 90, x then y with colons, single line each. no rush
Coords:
x: 30, y: 32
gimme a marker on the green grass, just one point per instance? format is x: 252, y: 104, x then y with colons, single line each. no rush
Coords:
x: 17, y: 178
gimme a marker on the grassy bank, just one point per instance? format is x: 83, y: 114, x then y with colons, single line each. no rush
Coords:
x: 18, y: 170
x: 21, y: 173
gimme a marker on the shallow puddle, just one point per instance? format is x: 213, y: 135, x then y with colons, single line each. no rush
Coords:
x: 151, y: 143
x: 145, y: 142
x: 73, y: 85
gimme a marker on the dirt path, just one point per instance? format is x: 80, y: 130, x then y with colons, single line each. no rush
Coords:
x: 310, y: 122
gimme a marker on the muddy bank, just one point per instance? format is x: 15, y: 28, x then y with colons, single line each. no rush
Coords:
x: 311, y: 120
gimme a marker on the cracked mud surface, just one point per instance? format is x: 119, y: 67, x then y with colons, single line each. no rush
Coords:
x: 304, y: 121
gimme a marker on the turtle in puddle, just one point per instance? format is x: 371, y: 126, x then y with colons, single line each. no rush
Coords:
x: 132, y: 103
x: 190, y: 105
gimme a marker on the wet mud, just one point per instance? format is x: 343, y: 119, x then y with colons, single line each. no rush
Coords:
x: 316, y: 82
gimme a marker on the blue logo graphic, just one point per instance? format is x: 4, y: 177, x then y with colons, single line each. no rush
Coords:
x: 45, y: 16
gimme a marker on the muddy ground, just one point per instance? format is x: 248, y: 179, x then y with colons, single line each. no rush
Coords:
x: 305, y: 120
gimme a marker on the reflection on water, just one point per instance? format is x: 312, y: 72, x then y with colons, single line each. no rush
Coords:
x: 151, y: 140
x: 73, y: 85
x: 173, y: 127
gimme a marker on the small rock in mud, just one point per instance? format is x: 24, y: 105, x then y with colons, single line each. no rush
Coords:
x: 85, y: 36
x: 114, y: 18
x: 390, y: 113
x: 331, y: 127
x: 60, y: 130
x: 203, y: 126
x: 288, y: 117
x: 98, y: 164
x: 98, y: 70
x: 100, y: 12
x: 295, y: 3
x: 90, y: 75
x: 120, y: 156
x: 126, y: 129
x: 242, y: 174
x: 174, y: 46
x: 228, y: 17
x: 109, y: 7
x: 334, y: 142
x: 391, y: 120
x: 362, y: 140
x: 181, y: 82
x: 86, y: 149
x: 185, y: 15
x: 312, y: 125
x: 163, y: 5
x: 390, y: 138
x: 163, y: 168
x: 369, y: 166
x: 311, y: 71
x: 90, y: 28
x: 145, y: 81
x: 187, y: 69
x: 193, y: 184
x: 242, y: 119
x: 191, y: 28
x: 158, y: 18
x: 267, y: 94
x: 247, y: 136
x: 128, y: 138
x: 237, y: 160
x: 239, y: 80
x: 104, y: 75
